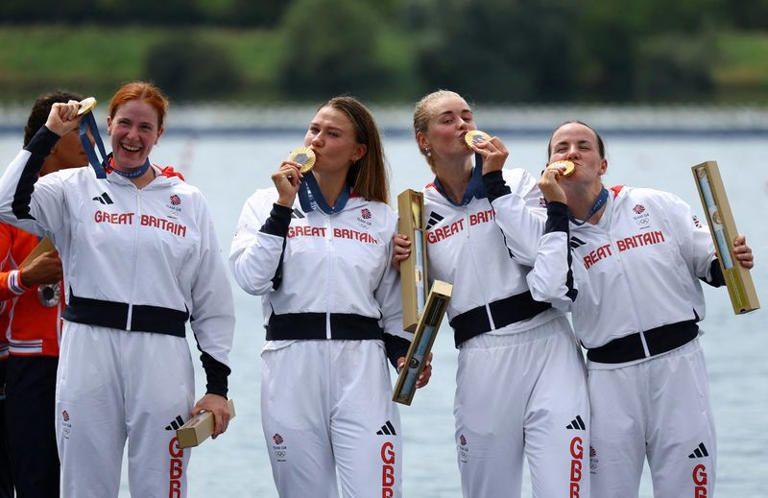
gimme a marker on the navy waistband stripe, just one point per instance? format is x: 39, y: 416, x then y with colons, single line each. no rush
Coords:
x: 659, y: 340
x: 504, y: 312
x: 302, y: 326
x: 144, y: 318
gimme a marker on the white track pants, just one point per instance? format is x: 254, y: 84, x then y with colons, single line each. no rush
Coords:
x: 113, y: 384
x: 326, y: 407
x: 523, y: 394
x: 660, y: 409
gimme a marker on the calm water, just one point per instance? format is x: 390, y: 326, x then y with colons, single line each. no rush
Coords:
x: 228, y: 170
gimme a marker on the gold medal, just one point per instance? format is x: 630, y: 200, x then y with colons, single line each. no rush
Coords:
x: 303, y: 156
x: 86, y: 106
x: 475, y: 137
x: 568, y: 166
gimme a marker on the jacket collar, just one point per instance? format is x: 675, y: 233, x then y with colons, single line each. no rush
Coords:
x: 311, y: 197
x: 475, y: 187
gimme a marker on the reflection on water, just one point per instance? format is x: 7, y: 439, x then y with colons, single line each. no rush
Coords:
x: 229, y: 170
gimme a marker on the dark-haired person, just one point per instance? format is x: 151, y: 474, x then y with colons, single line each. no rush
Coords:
x: 32, y: 300
x: 140, y: 257
x: 520, y: 387
x: 317, y: 248
x: 627, y: 262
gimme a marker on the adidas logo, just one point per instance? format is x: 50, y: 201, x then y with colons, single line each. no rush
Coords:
x: 576, y: 242
x: 699, y: 452
x: 387, y: 430
x: 103, y: 198
x: 577, y: 424
x: 297, y: 214
x: 175, y: 424
x: 434, y: 219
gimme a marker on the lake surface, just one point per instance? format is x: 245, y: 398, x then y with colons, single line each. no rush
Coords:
x: 228, y: 170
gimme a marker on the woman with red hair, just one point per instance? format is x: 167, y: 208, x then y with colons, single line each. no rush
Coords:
x: 140, y: 258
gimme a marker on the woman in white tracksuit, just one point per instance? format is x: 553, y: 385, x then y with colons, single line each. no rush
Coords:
x: 521, y: 381
x: 635, y: 257
x: 317, y: 248
x: 140, y: 258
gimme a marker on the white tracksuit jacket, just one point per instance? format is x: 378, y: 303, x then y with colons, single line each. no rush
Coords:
x: 467, y: 246
x: 150, y: 247
x: 636, y: 270
x: 327, y: 264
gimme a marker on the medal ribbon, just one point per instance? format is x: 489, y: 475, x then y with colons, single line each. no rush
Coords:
x: 310, y: 197
x: 89, y: 123
x: 134, y: 173
x: 602, y: 198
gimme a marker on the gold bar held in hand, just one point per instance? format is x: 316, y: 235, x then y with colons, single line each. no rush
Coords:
x: 413, y: 271
x: 199, y: 428
x: 738, y: 279
x: 423, y: 339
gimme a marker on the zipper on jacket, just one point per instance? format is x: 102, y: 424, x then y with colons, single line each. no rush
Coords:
x: 480, y: 286
x: 137, y: 226
x: 646, y: 351
x: 328, y: 274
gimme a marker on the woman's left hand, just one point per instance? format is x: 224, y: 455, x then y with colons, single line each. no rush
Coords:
x: 217, y: 405
x: 494, y: 154
x: 743, y: 252
x: 426, y: 373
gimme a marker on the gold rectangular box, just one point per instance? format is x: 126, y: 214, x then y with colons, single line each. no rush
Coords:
x: 199, y: 428
x: 423, y: 339
x: 738, y: 279
x: 413, y: 271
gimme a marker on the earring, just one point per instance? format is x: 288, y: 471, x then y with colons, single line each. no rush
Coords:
x: 428, y: 151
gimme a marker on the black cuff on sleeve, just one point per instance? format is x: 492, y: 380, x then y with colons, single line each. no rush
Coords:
x: 42, y: 142
x: 216, y: 374
x: 396, y: 347
x: 495, y: 186
x: 717, y: 279
x: 278, y: 222
x: 557, y: 217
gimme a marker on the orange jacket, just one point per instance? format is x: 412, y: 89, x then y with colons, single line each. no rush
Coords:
x: 27, y: 326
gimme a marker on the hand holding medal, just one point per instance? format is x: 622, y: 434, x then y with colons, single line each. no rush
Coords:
x: 63, y: 118
x: 288, y: 178
x: 491, y: 149
x: 550, y: 177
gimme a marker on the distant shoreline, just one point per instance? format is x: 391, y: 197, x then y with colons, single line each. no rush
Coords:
x: 517, y: 121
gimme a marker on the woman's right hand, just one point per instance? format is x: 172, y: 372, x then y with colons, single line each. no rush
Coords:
x: 287, y: 180
x: 402, y: 250
x: 550, y: 186
x: 63, y: 117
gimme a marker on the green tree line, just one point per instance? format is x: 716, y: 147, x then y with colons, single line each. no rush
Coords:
x: 491, y: 50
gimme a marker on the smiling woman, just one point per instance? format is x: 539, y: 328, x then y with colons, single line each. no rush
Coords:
x: 135, y: 124
x: 140, y: 258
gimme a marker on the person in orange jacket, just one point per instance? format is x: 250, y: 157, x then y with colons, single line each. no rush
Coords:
x: 32, y: 303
